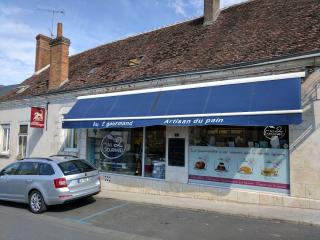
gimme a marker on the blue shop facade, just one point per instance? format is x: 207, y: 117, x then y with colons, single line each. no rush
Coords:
x: 230, y: 134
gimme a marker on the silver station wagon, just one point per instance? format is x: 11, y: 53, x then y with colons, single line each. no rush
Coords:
x: 41, y: 182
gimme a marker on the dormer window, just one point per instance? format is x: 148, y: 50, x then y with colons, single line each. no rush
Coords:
x: 135, y: 61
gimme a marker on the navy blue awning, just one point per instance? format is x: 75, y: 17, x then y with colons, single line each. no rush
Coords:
x: 260, y: 101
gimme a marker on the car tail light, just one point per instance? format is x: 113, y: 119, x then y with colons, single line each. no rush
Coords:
x: 60, y: 183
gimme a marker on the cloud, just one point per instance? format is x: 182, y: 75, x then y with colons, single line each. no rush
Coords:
x: 17, y: 46
x: 188, y: 8
x: 16, y: 59
x: 14, y: 28
x: 10, y: 10
x: 15, y: 49
x: 197, y: 4
x: 179, y: 7
x: 11, y: 71
x: 227, y: 3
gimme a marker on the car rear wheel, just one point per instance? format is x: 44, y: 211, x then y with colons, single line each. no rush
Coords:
x: 36, y: 202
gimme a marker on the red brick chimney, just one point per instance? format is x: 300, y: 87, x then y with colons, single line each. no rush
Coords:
x: 211, y: 11
x: 42, y: 52
x: 59, y: 59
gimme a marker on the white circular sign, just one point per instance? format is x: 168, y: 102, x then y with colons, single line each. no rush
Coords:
x: 274, y: 131
x: 112, y: 145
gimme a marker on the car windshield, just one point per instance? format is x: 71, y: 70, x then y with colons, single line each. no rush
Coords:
x: 74, y: 167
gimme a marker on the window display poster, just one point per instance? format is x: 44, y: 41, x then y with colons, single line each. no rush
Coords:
x: 263, y: 169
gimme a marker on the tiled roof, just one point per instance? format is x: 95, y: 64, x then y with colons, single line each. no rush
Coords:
x: 257, y: 30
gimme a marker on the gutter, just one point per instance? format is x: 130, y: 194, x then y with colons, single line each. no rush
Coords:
x: 243, y: 65
x: 291, y: 59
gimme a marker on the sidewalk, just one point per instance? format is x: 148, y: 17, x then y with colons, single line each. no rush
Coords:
x: 306, y: 216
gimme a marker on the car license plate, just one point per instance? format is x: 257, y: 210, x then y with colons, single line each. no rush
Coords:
x: 83, y: 180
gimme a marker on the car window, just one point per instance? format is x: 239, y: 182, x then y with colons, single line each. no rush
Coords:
x: 12, y: 169
x: 74, y: 167
x: 45, y: 169
x: 27, y: 168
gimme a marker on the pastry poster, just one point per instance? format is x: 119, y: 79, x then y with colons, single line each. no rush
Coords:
x: 264, y: 169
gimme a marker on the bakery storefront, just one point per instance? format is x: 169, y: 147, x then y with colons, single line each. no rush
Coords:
x: 232, y: 133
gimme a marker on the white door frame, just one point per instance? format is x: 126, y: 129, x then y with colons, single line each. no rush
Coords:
x: 177, y: 174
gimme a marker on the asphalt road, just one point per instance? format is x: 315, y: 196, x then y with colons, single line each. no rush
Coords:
x: 114, y: 219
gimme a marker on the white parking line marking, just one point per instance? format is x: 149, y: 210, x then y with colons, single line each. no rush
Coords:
x: 77, y: 221
x: 102, y: 212
x: 275, y: 235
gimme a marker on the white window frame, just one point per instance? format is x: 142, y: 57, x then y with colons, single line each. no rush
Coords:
x: 23, y: 135
x: 7, y: 143
x: 68, y: 148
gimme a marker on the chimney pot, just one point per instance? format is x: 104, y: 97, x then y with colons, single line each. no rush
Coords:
x: 211, y: 11
x: 59, y: 60
x: 59, y: 30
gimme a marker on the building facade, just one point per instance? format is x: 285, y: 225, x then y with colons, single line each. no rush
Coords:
x: 245, y: 132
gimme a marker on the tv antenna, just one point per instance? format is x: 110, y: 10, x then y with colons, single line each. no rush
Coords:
x: 53, y: 12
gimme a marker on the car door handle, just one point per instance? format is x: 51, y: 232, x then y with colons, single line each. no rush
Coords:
x: 28, y: 181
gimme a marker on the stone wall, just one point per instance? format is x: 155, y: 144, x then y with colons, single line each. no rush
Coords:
x: 305, y: 143
x: 114, y: 182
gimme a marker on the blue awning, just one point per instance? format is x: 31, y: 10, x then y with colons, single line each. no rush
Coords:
x: 260, y: 101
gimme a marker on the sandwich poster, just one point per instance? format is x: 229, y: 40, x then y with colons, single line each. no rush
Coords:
x: 254, y: 168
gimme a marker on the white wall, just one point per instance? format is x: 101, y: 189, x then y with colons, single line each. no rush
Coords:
x: 41, y: 142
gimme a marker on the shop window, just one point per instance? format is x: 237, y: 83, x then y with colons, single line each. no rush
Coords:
x: 23, y: 138
x: 155, y: 148
x: 254, y: 158
x: 251, y: 137
x: 121, y: 151
x: 71, y: 140
x: 118, y: 150
x: 5, y: 139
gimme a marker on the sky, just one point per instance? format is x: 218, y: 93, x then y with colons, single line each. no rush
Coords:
x: 87, y: 23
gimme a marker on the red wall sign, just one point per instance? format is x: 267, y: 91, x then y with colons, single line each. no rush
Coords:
x: 37, y: 117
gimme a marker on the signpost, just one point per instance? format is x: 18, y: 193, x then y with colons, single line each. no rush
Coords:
x: 37, y: 117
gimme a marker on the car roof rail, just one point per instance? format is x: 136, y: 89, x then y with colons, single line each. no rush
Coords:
x: 64, y: 155
x: 36, y: 158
